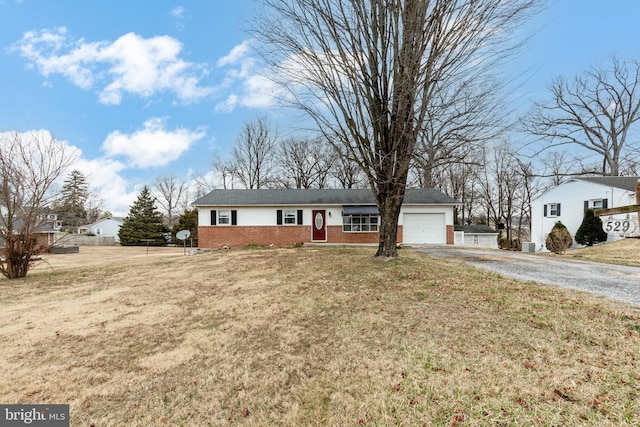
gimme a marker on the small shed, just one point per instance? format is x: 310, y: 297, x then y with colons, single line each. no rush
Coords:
x: 475, y: 235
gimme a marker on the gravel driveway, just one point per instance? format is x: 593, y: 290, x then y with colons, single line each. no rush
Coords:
x: 614, y: 281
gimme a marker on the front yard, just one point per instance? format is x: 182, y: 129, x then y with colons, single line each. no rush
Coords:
x: 311, y: 336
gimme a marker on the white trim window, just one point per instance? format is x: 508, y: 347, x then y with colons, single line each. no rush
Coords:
x: 552, y: 210
x: 290, y: 217
x: 360, y: 223
x: 596, y: 204
x: 224, y: 217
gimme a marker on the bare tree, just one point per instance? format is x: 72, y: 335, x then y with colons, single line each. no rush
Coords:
x: 225, y: 171
x: 94, y: 207
x: 346, y: 171
x: 500, y: 183
x: 171, y: 192
x: 462, y: 117
x: 305, y: 162
x: 595, y: 111
x: 253, y: 154
x: 507, y: 186
x: 531, y: 188
x: 30, y: 164
x: 367, y: 70
x: 458, y: 180
x: 202, y: 183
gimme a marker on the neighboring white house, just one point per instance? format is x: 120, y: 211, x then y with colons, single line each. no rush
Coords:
x: 108, y: 227
x: 567, y: 203
x: 334, y: 216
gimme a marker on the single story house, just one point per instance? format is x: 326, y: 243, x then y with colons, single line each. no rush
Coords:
x: 567, y: 203
x: 285, y: 217
x: 45, y: 232
x: 476, y: 235
x: 108, y: 227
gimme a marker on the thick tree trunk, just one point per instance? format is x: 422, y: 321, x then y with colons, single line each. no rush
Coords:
x: 389, y: 206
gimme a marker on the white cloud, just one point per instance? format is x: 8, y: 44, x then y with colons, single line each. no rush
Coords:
x: 152, y: 145
x: 106, y: 183
x: 236, y: 55
x: 131, y: 64
x: 178, y: 12
x: 245, y: 77
x: 102, y: 175
x: 39, y: 149
x: 227, y: 105
x: 260, y: 92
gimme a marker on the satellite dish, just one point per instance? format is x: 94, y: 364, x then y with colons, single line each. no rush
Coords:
x: 183, y: 234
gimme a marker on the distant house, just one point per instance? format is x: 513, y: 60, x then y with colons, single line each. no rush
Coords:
x: 46, y: 231
x: 476, y: 235
x: 108, y: 227
x: 567, y: 203
x: 324, y: 216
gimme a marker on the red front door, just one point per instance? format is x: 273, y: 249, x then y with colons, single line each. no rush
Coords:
x: 319, y: 226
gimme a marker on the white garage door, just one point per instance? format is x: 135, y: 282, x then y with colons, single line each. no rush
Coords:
x: 424, y: 228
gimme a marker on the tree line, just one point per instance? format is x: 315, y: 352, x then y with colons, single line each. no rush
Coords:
x: 403, y: 93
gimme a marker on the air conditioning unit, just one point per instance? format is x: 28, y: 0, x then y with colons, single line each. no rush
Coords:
x: 528, y: 247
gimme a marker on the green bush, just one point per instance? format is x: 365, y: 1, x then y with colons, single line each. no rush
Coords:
x: 590, y: 231
x: 559, y: 239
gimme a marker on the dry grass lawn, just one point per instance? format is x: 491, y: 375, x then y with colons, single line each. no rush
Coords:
x: 625, y: 252
x: 311, y: 337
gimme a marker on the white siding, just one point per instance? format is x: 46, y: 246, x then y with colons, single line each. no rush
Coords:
x: 433, y: 219
x: 267, y: 215
x: 106, y: 227
x: 571, y: 197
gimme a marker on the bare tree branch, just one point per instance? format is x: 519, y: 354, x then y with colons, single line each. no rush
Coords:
x: 30, y: 164
x: 253, y: 154
x: 367, y: 72
x: 595, y: 111
x: 171, y: 192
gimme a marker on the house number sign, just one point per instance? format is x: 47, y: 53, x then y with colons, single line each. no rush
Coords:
x: 619, y: 226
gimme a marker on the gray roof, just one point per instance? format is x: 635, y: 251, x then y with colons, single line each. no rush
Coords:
x: 300, y: 197
x: 475, y: 229
x: 625, y: 182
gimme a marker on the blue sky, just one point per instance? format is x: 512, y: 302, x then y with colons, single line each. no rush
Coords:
x: 143, y: 88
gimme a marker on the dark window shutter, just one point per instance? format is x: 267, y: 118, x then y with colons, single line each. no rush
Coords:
x: 605, y: 203
x: 299, y: 216
x: 279, y: 217
x: 213, y: 217
x: 234, y: 217
x: 586, y: 205
x: 558, y: 209
x: 545, y: 210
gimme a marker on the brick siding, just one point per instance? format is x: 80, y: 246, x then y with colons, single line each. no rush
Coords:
x: 213, y: 237
x: 450, y: 235
x: 44, y: 241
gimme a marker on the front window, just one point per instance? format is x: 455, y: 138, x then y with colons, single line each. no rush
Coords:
x: 597, y: 204
x: 554, y: 209
x: 356, y: 223
x: 224, y: 217
x: 290, y: 217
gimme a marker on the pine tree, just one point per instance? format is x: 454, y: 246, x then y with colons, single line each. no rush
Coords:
x: 188, y: 221
x: 590, y: 230
x: 559, y: 239
x: 143, y: 225
x: 73, y: 197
